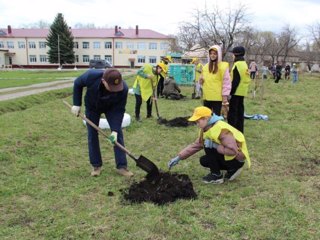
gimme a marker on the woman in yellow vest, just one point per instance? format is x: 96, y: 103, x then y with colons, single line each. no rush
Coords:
x: 215, y: 81
x: 225, y: 147
x: 144, y: 86
x: 240, y: 84
x: 165, y: 61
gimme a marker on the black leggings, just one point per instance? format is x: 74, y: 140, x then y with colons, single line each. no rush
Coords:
x: 215, y: 106
x: 215, y: 161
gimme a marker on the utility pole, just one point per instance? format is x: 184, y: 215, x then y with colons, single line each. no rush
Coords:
x: 59, y: 68
x: 75, y: 56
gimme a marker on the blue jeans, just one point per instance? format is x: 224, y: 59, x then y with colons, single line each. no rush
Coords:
x: 115, y: 121
x: 294, y: 77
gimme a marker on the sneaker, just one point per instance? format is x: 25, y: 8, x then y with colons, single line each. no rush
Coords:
x: 232, y: 174
x: 124, y: 172
x: 138, y: 119
x: 96, y: 171
x: 213, y: 178
x: 149, y: 116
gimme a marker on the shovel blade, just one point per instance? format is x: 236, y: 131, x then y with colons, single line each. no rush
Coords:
x: 148, y: 166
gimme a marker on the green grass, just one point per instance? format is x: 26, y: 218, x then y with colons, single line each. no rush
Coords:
x: 18, y: 78
x: 46, y: 191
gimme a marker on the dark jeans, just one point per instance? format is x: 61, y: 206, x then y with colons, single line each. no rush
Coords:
x: 115, y: 121
x: 252, y: 75
x: 215, y: 161
x: 160, y: 86
x: 139, y: 103
x: 236, y: 112
x: 215, y: 106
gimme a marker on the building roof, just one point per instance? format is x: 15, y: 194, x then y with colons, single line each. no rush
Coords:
x: 87, y: 33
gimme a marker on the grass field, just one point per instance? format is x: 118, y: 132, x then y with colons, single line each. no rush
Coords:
x: 46, y: 191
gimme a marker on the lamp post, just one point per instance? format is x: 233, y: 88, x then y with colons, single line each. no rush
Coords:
x: 75, y: 57
x: 59, y: 68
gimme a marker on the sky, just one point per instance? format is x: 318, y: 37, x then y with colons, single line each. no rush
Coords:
x: 163, y: 16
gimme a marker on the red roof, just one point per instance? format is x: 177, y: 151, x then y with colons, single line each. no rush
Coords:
x: 87, y: 33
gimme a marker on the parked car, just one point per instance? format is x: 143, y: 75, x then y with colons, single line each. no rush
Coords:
x: 99, y: 64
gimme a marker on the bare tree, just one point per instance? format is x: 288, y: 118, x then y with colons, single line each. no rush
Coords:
x: 41, y: 25
x: 218, y: 26
x: 187, y: 36
x: 287, y: 41
x: 315, y: 34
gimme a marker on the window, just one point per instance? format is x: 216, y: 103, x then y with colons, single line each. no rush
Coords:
x: 108, y: 45
x: 96, y: 57
x: 1, y: 44
x: 32, y: 45
x: 75, y: 45
x: 85, y: 58
x: 153, y: 46
x: 96, y: 45
x: 21, y: 45
x: 141, y: 59
x: 164, y: 46
x: 108, y: 58
x: 119, y: 45
x: 43, y: 58
x: 42, y: 45
x: 10, y: 44
x: 142, y: 46
x: 152, y: 59
x: 32, y: 58
x: 85, y: 45
x: 130, y: 45
x: 76, y: 58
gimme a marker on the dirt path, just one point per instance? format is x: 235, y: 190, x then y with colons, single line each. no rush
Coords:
x: 16, y: 92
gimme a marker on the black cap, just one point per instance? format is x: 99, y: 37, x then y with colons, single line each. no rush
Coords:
x: 238, y: 51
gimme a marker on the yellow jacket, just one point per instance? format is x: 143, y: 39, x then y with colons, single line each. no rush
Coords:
x: 145, y: 84
x: 242, y: 89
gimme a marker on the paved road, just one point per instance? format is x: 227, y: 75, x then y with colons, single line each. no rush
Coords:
x: 16, y: 92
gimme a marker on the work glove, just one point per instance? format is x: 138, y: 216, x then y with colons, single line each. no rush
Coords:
x: 173, y: 162
x: 210, y: 144
x: 75, y: 110
x: 113, y: 137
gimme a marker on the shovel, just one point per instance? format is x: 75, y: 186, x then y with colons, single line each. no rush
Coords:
x: 142, y: 162
x: 156, y: 105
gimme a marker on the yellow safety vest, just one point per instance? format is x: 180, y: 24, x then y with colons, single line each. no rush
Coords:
x: 212, y: 86
x: 245, y: 80
x: 214, y: 132
x: 146, y: 85
x: 198, y: 71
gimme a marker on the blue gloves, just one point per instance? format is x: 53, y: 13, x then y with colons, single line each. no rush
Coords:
x: 210, y: 144
x: 173, y: 162
x: 113, y: 137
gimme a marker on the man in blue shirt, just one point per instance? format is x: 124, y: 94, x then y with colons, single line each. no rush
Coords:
x: 106, y: 93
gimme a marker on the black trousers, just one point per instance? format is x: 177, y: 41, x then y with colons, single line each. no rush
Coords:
x: 215, y: 106
x: 215, y: 161
x: 139, y: 103
x: 160, y: 86
x: 236, y: 112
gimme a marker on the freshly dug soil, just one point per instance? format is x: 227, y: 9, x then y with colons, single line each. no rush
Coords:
x: 166, y: 188
x: 176, y: 122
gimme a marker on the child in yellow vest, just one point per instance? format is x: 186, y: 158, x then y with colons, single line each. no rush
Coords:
x: 225, y: 147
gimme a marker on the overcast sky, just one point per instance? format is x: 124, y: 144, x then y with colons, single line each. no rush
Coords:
x: 162, y: 16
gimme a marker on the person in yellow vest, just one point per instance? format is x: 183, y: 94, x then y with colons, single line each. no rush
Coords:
x: 198, y: 70
x: 215, y: 81
x: 144, y: 87
x: 225, y: 147
x: 165, y: 61
x: 240, y: 84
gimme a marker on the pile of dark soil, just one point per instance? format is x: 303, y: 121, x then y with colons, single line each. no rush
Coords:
x: 176, y: 122
x: 166, y: 188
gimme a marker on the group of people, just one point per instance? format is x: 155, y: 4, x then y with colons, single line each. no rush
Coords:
x: 222, y: 91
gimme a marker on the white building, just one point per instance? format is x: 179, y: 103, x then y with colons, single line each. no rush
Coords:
x: 121, y: 47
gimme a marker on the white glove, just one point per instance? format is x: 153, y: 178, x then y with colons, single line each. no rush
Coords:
x: 75, y: 110
x: 210, y: 144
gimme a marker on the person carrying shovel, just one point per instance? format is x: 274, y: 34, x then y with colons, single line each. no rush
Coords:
x: 225, y: 147
x: 106, y: 93
x: 144, y: 86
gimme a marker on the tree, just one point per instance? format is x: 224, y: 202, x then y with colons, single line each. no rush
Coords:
x: 315, y: 34
x: 218, y: 26
x: 60, y: 42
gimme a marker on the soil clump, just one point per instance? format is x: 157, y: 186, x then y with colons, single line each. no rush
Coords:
x: 166, y: 188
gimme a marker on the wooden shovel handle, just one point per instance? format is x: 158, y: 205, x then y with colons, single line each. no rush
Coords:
x: 100, y: 130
